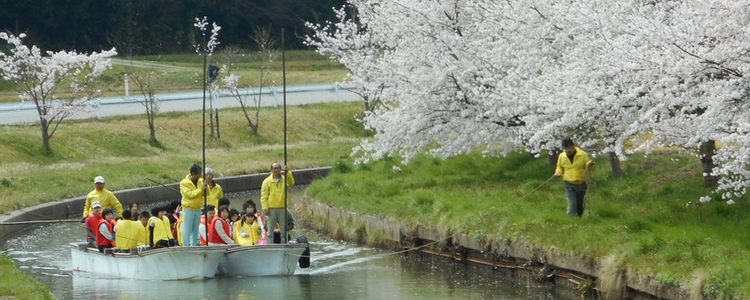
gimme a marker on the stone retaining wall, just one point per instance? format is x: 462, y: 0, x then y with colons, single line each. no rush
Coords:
x: 541, y: 262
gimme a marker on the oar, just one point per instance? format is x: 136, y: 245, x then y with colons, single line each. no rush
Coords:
x: 159, y: 183
x: 41, y: 222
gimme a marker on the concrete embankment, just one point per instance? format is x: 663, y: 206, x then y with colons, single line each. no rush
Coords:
x: 545, y: 264
x: 73, y: 208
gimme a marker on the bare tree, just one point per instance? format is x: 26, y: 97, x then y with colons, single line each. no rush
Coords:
x: 147, y: 84
x: 267, y: 56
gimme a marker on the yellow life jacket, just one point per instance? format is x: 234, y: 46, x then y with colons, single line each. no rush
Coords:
x: 253, y: 231
x: 142, y: 234
x: 162, y: 230
x: 127, y: 234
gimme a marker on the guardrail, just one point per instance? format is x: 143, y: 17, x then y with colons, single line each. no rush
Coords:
x: 274, y: 91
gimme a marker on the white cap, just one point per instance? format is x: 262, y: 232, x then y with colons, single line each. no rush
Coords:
x: 99, y: 179
x: 96, y: 204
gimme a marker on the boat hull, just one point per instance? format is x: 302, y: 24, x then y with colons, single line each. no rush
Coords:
x: 262, y: 260
x: 175, y: 263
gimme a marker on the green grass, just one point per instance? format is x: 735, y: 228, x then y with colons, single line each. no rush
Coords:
x: 15, y: 284
x: 303, y: 67
x: 651, y: 217
x: 118, y: 148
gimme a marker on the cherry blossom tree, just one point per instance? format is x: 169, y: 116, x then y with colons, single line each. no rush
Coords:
x: 39, y: 74
x: 502, y: 76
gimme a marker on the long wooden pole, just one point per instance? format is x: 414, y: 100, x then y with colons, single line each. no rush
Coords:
x: 283, y: 67
x: 205, y: 200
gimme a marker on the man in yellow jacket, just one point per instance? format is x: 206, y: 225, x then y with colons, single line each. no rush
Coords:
x: 572, y: 166
x: 272, y: 199
x: 192, y: 189
x: 104, y: 196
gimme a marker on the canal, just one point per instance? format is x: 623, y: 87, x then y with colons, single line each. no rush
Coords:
x: 339, y: 270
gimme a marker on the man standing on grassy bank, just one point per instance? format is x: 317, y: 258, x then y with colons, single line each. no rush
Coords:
x: 272, y: 199
x: 102, y: 195
x: 192, y: 189
x: 573, y: 165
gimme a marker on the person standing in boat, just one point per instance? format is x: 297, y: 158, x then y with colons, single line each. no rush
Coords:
x: 572, y: 166
x: 104, y: 236
x: 220, y: 232
x: 92, y: 223
x: 192, y: 189
x: 214, y: 190
x: 272, y: 198
x: 106, y: 198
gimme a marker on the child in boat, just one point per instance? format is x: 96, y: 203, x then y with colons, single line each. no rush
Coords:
x: 234, y: 217
x: 219, y: 232
x: 160, y: 229
x: 247, y: 231
x: 143, y: 230
x: 105, y: 236
x: 249, y: 207
x: 92, y: 223
x: 210, y: 212
x: 127, y: 231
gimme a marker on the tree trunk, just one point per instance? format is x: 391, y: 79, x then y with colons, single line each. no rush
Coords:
x: 614, y: 162
x: 553, y: 155
x: 46, y: 137
x: 707, y: 152
x: 152, y: 128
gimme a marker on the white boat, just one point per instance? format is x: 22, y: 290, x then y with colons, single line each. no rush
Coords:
x: 172, y: 263
x: 264, y: 260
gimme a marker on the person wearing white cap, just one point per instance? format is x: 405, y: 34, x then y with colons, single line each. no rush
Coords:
x: 106, y: 198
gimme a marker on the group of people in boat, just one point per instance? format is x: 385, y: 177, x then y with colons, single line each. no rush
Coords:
x: 184, y: 222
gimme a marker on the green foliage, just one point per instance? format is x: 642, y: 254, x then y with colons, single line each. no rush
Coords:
x: 655, y: 218
x: 17, y: 284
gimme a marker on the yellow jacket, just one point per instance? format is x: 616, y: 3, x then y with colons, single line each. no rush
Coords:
x: 192, y: 195
x: 272, y: 194
x: 574, y: 172
x: 253, y: 232
x: 107, y: 199
x: 127, y: 234
x: 162, y: 228
x: 214, y: 194
x: 142, y: 234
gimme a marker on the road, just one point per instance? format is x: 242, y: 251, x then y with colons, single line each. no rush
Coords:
x: 18, y: 113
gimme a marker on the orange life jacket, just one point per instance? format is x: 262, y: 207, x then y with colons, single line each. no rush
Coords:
x: 213, y: 235
x: 100, y: 239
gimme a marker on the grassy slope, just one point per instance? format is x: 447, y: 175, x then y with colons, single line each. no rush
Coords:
x: 118, y: 149
x: 15, y: 283
x: 303, y: 67
x: 650, y: 218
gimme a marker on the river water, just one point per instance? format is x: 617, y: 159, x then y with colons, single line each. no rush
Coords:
x: 338, y: 270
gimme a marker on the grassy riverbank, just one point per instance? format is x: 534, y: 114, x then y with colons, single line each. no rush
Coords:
x: 180, y: 72
x: 118, y: 148
x: 15, y: 284
x: 650, y: 221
